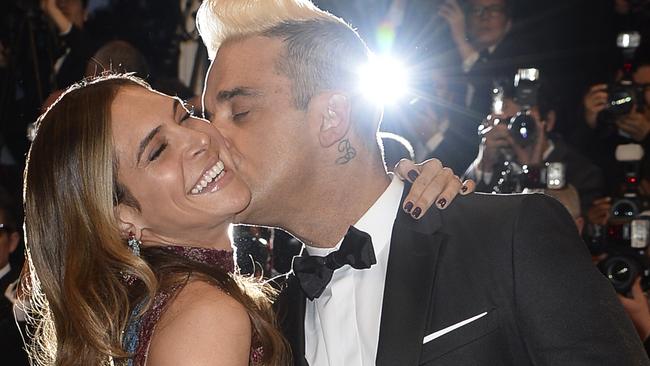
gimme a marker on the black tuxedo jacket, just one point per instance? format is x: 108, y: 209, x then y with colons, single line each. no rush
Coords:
x: 519, y: 258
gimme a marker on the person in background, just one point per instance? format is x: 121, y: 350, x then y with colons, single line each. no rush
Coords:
x: 11, y: 344
x: 500, y: 144
x: 482, y: 31
x: 77, y: 46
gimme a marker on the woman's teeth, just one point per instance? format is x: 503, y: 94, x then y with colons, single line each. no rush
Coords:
x: 208, y: 177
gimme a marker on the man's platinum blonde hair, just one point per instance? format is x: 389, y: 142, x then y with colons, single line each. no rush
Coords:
x: 220, y: 20
x: 321, y: 51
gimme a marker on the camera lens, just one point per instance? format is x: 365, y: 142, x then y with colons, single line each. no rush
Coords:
x: 621, y: 271
x: 621, y: 100
x: 522, y: 127
x: 624, y: 209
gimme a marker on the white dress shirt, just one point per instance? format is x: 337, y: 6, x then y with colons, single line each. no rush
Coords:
x: 4, y: 270
x: 342, y: 325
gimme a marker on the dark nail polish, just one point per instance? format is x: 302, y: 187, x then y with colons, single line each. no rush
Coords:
x: 464, y: 189
x: 417, y: 212
x: 442, y: 202
x: 413, y: 175
x: 408, y: 207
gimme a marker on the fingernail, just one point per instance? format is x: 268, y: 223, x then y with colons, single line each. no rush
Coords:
x: 413, y: 175
x: 464, y: 189
x: 417, y: 212
x: 442, y: 202
x: 408, y: 207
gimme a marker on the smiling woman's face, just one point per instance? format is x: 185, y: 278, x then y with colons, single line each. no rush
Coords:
x: 176, y: 166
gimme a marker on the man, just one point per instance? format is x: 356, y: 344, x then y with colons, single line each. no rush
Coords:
x: 488, y: 50
x: 490, y: 280
x: 500, y: 144
x: 11, y: 345
x: 77, y: 46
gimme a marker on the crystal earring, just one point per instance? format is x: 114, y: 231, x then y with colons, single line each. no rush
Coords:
x: 134, y: 244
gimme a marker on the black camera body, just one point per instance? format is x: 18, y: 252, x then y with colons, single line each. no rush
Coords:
x: 625, y: 94
x: 626, y: 236
x: 623, y: 265
x: 515, y: 178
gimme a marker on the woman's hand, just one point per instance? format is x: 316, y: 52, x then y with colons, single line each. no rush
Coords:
x: 432, y: 183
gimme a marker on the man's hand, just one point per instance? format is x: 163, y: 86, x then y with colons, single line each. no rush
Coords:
x: 455, y: 17
x: 599, y: 211
x: 637, y: 309
x: 594, y: 102
x: 495, y: 138
x: 61, y: 21
x: 634, y: 124
x: 432, y: 183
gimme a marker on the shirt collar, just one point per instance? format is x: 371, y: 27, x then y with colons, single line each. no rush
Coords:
x: 4, y: 270
x: 377, y: 221
x: 549, y: 149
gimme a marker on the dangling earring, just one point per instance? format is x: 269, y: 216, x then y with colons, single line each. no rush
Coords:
x: 134, y: 244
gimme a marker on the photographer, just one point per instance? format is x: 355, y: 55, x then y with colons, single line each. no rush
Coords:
x: 602, y: 131
x: 489, y: 51
x: 500, y: 145
x: 69, y: 17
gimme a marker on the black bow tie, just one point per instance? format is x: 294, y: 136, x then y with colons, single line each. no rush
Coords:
x: 315, y: 272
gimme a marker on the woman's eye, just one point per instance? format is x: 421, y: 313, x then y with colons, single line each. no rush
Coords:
x: 238, y: 116
x: 156, y: 154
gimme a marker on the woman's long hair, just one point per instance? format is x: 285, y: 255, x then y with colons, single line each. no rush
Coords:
x: 80, y: 302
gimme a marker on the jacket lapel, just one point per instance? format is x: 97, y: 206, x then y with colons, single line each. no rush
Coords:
x: 408, y: 289
x: 291, y: 314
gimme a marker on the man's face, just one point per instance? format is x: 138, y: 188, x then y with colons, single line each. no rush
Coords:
x: 251, y: 103
x: 8, y: 242
x: 487, y: 21
x: 642, y: 77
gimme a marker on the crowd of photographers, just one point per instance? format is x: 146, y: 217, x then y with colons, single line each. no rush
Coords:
x: 519, y: 95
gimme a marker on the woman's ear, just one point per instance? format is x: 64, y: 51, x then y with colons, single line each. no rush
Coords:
x: 128, y: 218
x: 333, y: 110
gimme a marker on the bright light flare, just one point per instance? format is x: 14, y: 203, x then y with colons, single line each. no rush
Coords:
x: 384, y: 80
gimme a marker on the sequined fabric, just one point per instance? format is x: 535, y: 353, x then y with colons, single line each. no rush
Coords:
x: 138, y: 334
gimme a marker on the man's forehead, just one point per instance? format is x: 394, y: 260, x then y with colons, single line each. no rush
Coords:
x: 249, y: 63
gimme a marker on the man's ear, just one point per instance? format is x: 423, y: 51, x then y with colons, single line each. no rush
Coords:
x: 128, y: 218
x: 333, y: 113
x: 551, y: 118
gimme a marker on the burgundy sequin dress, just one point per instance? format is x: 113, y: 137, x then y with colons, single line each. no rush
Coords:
x: 139, y: 331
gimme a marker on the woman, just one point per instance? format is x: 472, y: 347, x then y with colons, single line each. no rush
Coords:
x: 111, y: 157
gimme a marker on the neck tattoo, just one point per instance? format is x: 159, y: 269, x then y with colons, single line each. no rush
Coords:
x: 348, y: 151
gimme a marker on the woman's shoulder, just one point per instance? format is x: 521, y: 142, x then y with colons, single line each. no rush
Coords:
x: 203, y: 326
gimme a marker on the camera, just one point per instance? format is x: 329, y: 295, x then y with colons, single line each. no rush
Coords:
x: 524, y: 91
x: 626, y: 236
x: 625, y: 94
x: 515, y: 178
x: 522, y: 125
